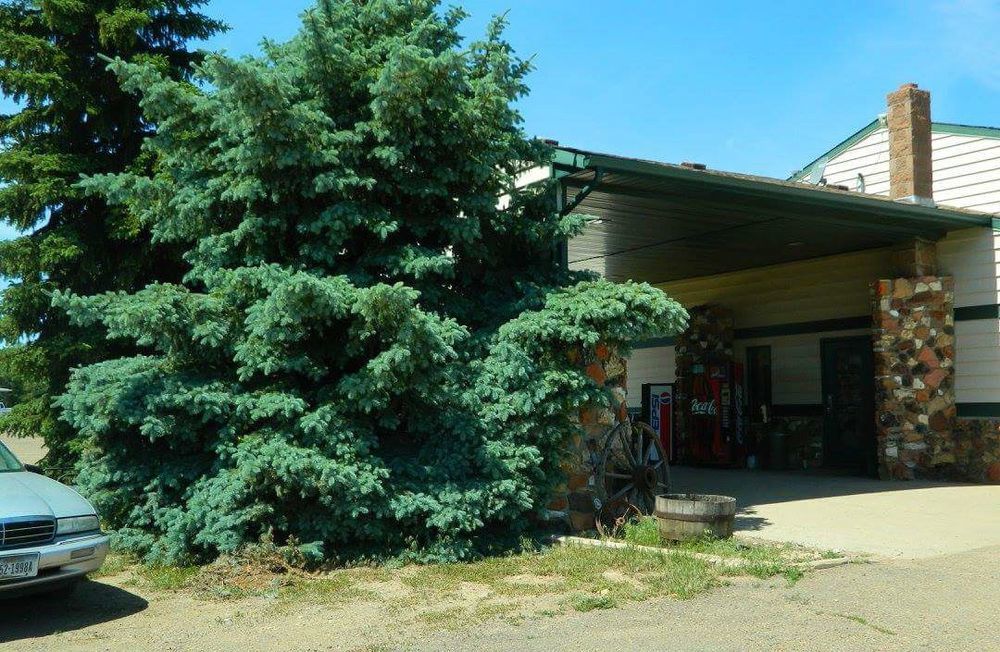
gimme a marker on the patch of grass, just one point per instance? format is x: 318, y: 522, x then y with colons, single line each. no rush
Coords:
x: 451, y: 618
x: 335, y: 588
x: 758, y: 559
x: 585, y: 602
x: 114, y: 564
x: 642, y: 532
x: 623, y: 574
x: 863, y: 621
x: 830, y: 554
x: 165, y: 578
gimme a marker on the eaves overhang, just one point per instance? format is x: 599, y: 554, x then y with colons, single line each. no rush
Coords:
x: 659, y: 222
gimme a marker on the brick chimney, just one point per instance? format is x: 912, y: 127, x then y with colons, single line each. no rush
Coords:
x: 909, y: 122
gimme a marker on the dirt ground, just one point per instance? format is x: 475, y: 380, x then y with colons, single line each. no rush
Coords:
x: 946, y: 602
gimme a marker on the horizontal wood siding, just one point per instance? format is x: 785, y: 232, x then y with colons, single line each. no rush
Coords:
x: 869, y: 157
x: 977, y: 361
x: 795, y: 365
x: 652, y: 365
x: 812, y: 290
x: 972, y: 256
x: 966, y: 169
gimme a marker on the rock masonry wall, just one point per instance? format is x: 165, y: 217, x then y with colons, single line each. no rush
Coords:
x: 914, y: 351
x: 574, y: 501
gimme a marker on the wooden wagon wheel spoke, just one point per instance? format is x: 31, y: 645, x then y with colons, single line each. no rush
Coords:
x: 632, y: 471
x: 626, y: 445
x: 621, y: 493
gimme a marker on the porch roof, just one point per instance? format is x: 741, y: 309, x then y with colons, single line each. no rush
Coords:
x: 659, y: 222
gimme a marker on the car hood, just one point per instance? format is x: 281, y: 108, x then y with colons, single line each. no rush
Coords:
x: 29, y: 494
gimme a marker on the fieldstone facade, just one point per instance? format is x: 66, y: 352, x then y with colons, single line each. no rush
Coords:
x: 977, y: 450
x: 913, y: 344
x: 575, y: 500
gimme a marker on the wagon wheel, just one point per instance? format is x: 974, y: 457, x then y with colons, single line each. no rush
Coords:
x: 632, y: 471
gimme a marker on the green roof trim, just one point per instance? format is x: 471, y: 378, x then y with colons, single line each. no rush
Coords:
x: 571, y: 160
x: 876, y: 124
x: 841, y: 147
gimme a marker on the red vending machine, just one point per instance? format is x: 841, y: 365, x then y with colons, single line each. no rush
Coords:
x: 715, y: 415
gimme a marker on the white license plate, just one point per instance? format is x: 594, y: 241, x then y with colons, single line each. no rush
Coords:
x: 15, y: 567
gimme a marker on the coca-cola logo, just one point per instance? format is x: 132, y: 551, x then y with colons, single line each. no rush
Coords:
x: 704, y: 408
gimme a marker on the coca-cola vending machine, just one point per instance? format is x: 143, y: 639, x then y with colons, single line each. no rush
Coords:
x: 715, y: 422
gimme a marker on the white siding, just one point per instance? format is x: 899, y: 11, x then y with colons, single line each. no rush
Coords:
x: 651, y: 365
x: 811, y: 290
x: 825, y: 288
x: 977, y: 361
x: 795, y: 365
x: 870, y: 157
x: 972, y: 256
x: 966, y: 168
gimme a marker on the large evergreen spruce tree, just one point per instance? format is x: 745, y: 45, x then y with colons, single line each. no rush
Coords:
x: 368, y: 354
x: 73, y: 118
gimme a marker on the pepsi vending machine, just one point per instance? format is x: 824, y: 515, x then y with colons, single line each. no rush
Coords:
x: 658, y: 412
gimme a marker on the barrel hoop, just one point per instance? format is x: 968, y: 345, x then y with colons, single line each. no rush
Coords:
x: 693, y: 518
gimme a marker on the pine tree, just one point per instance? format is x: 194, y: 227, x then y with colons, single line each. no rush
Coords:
x: 73, y: 119
x: 368, y: 354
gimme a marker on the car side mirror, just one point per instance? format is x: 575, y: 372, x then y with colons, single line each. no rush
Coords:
x: 34, y: 468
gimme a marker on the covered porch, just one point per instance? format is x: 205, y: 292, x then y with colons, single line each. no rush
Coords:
x: 822, y: 330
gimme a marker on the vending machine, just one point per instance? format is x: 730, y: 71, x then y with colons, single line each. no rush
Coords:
x: 714, y: 416
x: 658, y: 412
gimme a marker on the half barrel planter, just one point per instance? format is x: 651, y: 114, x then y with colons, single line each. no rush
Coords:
x: 689, y: 516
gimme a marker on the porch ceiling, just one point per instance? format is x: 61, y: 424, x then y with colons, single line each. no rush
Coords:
x: 660, y: 222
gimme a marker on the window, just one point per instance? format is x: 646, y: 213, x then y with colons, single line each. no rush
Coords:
x: 759, y: 383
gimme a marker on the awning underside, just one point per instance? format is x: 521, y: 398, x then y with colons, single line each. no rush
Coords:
x: 694, y: 223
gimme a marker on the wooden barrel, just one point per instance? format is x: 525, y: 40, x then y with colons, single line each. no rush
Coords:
x: 687, y: 516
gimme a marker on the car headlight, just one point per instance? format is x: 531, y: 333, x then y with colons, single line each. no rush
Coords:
x: 75, y: 524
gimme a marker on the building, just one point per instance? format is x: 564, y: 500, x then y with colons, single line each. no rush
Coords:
x: 862, y: 310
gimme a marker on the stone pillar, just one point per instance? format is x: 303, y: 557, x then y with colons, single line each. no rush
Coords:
x: 575, y: 500
x: 914, y: 375
x: 916, y: 257
x: 708, y: 339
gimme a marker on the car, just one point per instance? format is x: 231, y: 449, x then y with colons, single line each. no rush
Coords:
x: 50, y: 536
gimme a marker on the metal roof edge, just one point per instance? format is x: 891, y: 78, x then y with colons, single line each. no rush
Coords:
x: 947, y: 217
x: 965, y: 130
x: 853, y: 139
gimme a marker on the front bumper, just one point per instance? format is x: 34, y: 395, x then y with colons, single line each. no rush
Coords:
x: 59, y: 562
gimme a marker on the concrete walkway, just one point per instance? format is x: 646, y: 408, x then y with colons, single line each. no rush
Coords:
x: 907, y: 520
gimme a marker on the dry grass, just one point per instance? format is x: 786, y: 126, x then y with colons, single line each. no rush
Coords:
x: 533, y: 584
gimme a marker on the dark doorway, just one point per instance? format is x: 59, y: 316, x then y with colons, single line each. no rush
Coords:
x: 848, y: 404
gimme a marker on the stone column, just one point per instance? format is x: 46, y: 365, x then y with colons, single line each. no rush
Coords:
x: 575, y: 500
x: 914, y: 375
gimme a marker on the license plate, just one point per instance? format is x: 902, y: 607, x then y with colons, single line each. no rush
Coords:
x: 15, y: 567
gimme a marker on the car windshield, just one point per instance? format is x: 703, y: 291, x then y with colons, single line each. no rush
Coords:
x: 7, y: 460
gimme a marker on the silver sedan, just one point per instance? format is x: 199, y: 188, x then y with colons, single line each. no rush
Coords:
x: 50, y: 536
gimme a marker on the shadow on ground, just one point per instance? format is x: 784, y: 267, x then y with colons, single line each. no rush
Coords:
x: 92, y: 603
x: 769, y: 487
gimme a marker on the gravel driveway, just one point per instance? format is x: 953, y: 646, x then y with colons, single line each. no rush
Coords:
x: 943, y: 603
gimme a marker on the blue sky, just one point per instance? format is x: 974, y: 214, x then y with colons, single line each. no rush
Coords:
x: 757, y: 87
